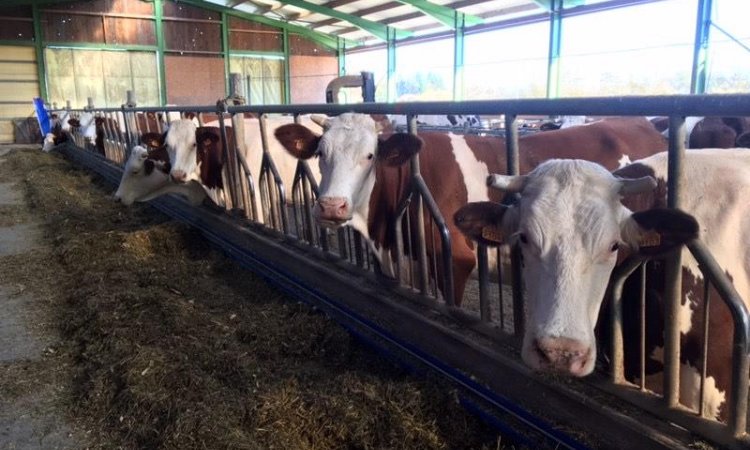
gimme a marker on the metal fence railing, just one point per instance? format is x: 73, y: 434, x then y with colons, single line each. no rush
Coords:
x: 259, y: 191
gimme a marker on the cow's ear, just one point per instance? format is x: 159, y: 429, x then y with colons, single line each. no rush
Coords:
x: 153, y: 140
x: 659, y: 230
x: 398, y: 148
x: 298, y: 140
x: 485, y: 222
x: 206, y: 137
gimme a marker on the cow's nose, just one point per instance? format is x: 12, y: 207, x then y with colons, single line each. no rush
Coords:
x: 564, y: 355
x: 333, y: 209
x: 178, y: 176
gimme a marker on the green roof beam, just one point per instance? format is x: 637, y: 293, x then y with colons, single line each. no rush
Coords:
x: 443, y: 14
x: 374, y: 28
x: 547, y: 4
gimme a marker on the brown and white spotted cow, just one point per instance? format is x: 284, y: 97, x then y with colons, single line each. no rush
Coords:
x: 209, y: 160
x: 364, y: 178
x: 712, y: 132
x: 575, y: 222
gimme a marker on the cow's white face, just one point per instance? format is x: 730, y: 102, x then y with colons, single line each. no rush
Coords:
x: 182, y: 150
x: 570, y: 228
x: 347, y: 151
x: 570, y: 225
x: 140, y: 177
x: 346, y: 158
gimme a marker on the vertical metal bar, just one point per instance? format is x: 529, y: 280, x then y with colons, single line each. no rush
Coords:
x: 41, y: 65
x: 699, y: 72
x: 553, y: 57
x: 159, y: 30
x: 420, y: 225
x: 128, y: 137
x: 225, y: 49
x: 500, y: 295
x: 459, y: 25
x: 391, y: 65
x: 642, y: 296
x: 341, y: 54
x: 704, y: 352
x: 511, y: 142
x: 673, y: 276
x: 484, y: 284
x: 287, y: 69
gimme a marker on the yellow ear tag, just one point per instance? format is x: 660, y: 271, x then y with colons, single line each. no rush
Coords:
x: 650, y: 239
x: 493, y: 234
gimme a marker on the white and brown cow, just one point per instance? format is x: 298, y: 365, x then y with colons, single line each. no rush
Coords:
x: 364, y: 178
x: 575, y: 221
x: 146, y: 176
x: 207, y: 146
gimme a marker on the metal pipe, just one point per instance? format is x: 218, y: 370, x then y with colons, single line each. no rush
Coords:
x: 673, y: 268
x: 512, y: 168
x: 485, y: 311
x: 617, y: 282
x: 421, y: 243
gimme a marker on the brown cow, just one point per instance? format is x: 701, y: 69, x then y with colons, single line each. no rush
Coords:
x: 364, y: 179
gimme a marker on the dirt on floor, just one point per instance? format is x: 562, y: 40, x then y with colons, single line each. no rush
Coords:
x: 161, y: 342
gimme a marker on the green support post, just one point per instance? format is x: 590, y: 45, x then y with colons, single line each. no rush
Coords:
x: 41, y: 66
x: 699, y: 73
x: 287, y: 70
x: 341, y: 53
x: 391, y: 74
x: 159, y: 29
x: 459, y: 21
x: 555, y: 37
x: 225, y: 50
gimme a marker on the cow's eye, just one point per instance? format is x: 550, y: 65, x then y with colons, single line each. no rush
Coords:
x: 615, y: 247
x: 522, y: 237
x: 370, y: 156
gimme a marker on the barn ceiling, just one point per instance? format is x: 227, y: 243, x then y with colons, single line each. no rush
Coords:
x: 370, y: 21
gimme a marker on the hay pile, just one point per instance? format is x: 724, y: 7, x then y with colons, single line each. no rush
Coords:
x: 172, y: 346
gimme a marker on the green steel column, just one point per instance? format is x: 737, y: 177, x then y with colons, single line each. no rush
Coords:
x: 341, y: 52
x: 41, y: 66
x: 391, y: 74
x: 159, y: 14
x: 458, y: 55
x: 699, y: 74
x: 555, y: 36
x: 225, y: 50
x: 287, y: 70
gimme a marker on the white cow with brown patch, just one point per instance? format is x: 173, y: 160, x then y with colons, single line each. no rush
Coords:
x: 574, y: 222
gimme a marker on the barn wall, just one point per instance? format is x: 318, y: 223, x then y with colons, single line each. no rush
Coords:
x: 311, y: 67
x: 19, y: 84
x: 194, y: 79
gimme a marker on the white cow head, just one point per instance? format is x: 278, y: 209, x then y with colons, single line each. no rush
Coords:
x: 182, y: 150
x: 570, y: 225
x: 347, y: 152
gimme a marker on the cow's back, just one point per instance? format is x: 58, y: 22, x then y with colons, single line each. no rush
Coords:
x: 610, y: 142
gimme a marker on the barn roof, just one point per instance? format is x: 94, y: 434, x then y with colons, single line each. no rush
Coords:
x: 364, y: 22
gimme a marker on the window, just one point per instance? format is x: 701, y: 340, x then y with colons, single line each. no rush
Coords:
x: 264, y: 78
x: 375, y: 61
x: 637, y: 50
x: 507, y: 63
x: 106, y: 76
x: 729, y: 48
x: 424, y: 71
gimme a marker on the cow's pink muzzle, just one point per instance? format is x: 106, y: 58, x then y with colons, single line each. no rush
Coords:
x: 333, y: 210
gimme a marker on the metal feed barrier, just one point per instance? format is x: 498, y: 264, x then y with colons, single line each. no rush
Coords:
x: 491, y: 320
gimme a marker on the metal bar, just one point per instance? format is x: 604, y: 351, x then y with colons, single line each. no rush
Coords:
x: 553, y: 56
x: 458, y: 55
x: 225, y: 50
x: 642, y: 297
x: 740, y: 341
x: 704, y: 350
x: 391, y: 66
x: 441, y: 13
x: 661, y: 105
x: 93, y: 46
x: 730, y: 36
x: 287, y: 69
x: 699, y: 72
x: 673, y: 268
x: 341, y: 56
x: 41, y: 65
x: 420, y: 224
x: 512, y: 168
x: 159, y: 30
x: 619, y: 275
x: 485, y: 312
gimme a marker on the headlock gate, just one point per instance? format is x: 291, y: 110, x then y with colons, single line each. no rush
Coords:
x: 267, y: 224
